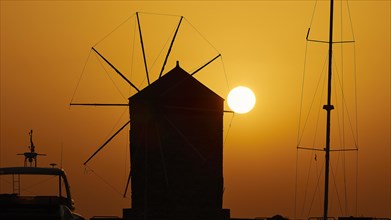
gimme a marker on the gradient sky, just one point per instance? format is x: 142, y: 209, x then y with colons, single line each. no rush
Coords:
x: 45, y: 46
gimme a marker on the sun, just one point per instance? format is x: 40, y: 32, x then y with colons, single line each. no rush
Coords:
x: 241, y: 99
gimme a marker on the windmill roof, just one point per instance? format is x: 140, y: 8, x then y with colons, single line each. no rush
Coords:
x: 176, y: 84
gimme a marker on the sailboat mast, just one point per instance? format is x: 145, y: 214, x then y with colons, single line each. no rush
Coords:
x: 328, y: 108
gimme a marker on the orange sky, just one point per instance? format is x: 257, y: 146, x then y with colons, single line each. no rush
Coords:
x: 45, y: 45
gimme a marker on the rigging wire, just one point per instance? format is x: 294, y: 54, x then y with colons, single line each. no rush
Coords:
x: 159, y: 14
x: 127, y: 163
x: 304, y: 74
x: 354, y: 135
x: 336, y: 190
x: 88, y: 169
x: 132, y: 60
x: 116, y: 123
x: 225, y: 73
x: 300, y: 113
x: 313, y: 154
x: 345, y: 114
x: 165, y: 44
x: 29, y: 188
x: 341, y: 128
x: 295, y: 191
x: 299, y: 128
x: 307, y: 188
x: 202, y: 35
x: 81, y: 76
x: 316, y: 189
x: 312, y: 101
x: 345, y: 109
x: 322, y: 75
x: 114, y: 29
x: 108, y: 75
x: 302, y: 97
x: 229, y: 128
x: 356, y: 107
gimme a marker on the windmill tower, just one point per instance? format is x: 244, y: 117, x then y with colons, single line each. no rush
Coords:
x: 176, y: 146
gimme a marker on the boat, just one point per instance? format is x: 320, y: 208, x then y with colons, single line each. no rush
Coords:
x: 31, y: 192
x: 329, y: 107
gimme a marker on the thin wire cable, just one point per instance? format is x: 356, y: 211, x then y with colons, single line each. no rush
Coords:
x: 133, y: 44
x: 160, y: 14
x: 319, y: 109
x: 342, y: 144
x: 335, y: 92
x: 202, y: 35
x: 299, y: 129
x: 88, y: 169
x: 343, y: 116
x: 164, y: 47
x: 114, y: 29
x: 161, y: 50
x: 299, y: 137
x: 322, y: 75
x: 165, y: 44
x: 313, y: 100
x: 316, y: 189
x: 81, y: 76
x: 336, y: 190
x: 316, y: 132
x: 357, y: 125
x: 295, y: 191
x: 356, y: 107
x: 108, y: 75
x: 116, y: 123
x: 346, y: 109
x: 306, y: 185
x: 229, y: 128
x: 357, y: 172
x: 225, y: 73
x: 302, y: 95
x: 313, y: 12
x: 350, y: 18
x: 355, y: 76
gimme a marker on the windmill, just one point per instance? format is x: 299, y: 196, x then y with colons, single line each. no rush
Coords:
x: 176, y: 143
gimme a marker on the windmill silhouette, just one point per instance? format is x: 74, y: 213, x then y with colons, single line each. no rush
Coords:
x: 176, y: 143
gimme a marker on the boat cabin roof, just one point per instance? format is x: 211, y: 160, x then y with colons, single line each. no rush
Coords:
x: 32, y: 171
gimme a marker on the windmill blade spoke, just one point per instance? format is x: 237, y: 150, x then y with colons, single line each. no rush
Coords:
x: 116, y: 70
x: 206, y: 64
x: 169, y: 49
x: 127, y: 184
x: 184, y: 138
x: 115, y: 134
x: 142, y: 47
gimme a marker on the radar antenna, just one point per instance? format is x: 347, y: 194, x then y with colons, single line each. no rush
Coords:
x: 31, y: 157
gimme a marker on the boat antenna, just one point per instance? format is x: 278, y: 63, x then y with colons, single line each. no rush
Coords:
x: 31, y: 156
